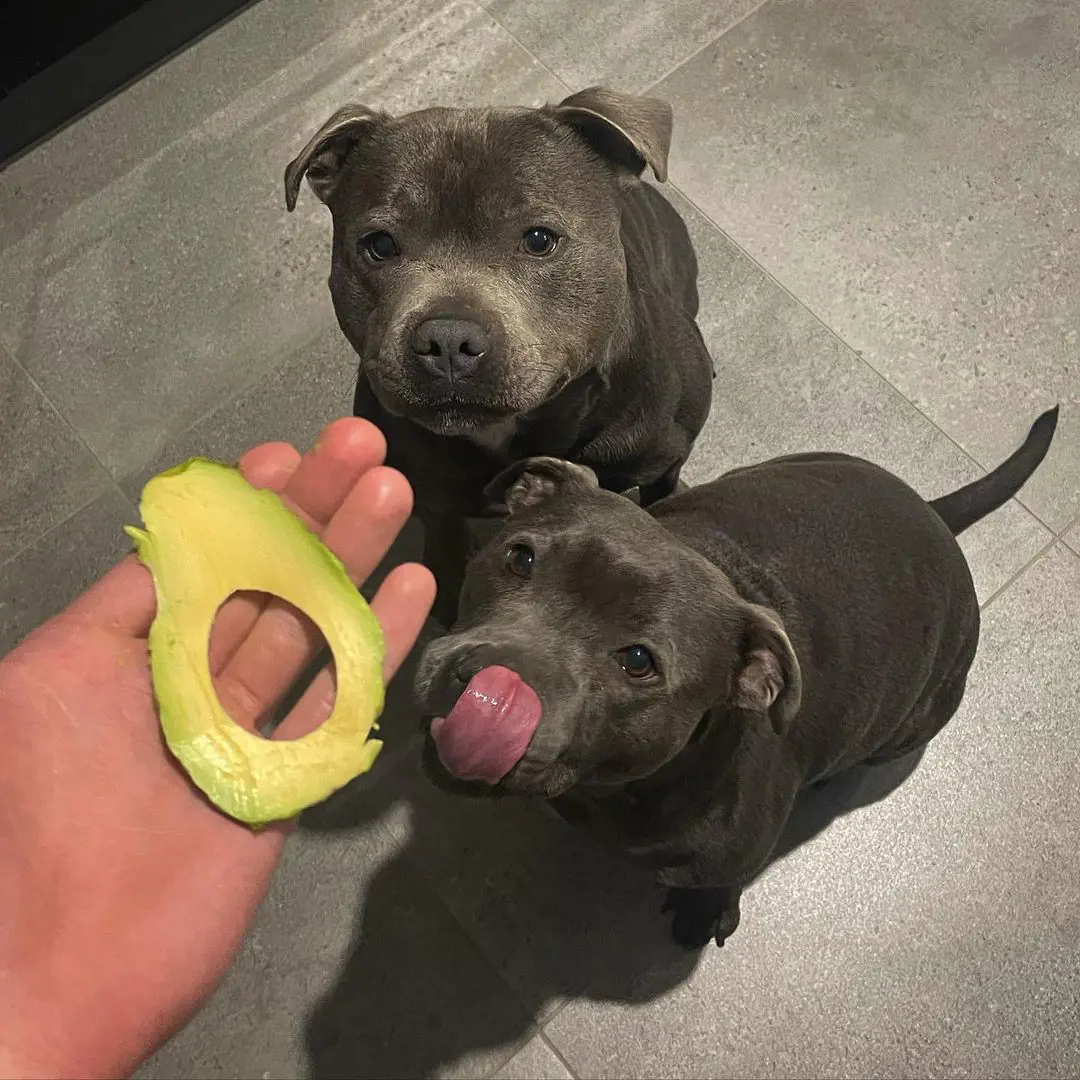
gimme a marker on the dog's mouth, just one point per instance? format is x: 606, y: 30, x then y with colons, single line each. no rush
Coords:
x: 444, y: 413
x: 487, y: 732
x: 462, y: 409
x: 456, y: 417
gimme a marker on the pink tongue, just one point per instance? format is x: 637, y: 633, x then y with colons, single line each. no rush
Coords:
x: 488, y: 730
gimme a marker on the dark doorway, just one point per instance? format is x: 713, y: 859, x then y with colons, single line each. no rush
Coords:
x: 60, y: 58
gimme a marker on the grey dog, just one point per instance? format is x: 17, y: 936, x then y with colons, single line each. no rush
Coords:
x: 513, y: 289
x: 671, y: 680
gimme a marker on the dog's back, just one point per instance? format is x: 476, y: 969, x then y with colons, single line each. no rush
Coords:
x: 876, y: 592
x: 876, y: 596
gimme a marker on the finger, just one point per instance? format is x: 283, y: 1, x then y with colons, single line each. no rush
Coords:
x: 316, y: 487
x: 402, y: 606
x: 270, y: 465
x: 370, y: 518
x: 346, y: 450
x: 123, y: 599
x: 284, y: 641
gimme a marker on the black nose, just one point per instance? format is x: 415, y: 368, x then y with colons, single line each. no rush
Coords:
x: 450, y: 348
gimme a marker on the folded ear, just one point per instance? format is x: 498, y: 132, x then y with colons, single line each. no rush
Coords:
x: 630, y: 131
x: 767, y: 676
x: 529, y: 482
x: 323, y: 157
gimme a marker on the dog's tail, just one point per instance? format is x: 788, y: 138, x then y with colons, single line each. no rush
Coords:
x: 963, y: 508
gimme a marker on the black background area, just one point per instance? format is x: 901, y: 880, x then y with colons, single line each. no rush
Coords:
x: 60, y: 58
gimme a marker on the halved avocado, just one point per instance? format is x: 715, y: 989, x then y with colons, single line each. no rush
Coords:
x: 209, y: 533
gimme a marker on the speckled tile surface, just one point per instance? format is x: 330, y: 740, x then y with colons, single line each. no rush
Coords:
x: 911, y: 172
x: 885, y: 200
x: 534, y: 1061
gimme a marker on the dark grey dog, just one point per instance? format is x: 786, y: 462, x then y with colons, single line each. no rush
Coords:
x: 672, y: 680
x: 513, y: 288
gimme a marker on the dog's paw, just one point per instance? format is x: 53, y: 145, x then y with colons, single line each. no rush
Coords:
x: 702, y: 915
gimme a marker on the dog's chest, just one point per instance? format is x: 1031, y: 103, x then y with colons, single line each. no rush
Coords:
x: 496, y: 438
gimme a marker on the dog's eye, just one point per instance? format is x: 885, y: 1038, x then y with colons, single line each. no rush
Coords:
x: 520, y: 559
x: 379, y: 246
x: 538, y: 241
x: 637, y: 662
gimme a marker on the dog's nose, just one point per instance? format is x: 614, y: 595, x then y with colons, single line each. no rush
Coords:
x: 450, y: 348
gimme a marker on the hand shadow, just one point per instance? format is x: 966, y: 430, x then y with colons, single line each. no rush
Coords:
x: 555, y: 916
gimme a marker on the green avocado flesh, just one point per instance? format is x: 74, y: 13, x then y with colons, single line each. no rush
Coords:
x: 208, y: 534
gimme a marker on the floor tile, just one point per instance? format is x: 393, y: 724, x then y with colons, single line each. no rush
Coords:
x: 534, y: 1061
x: 933, y: 933
x: 48, y: 473
x: 185, y: 278
x: 292, y: 403
x: 626, y: 44
x: 1072, y: 538
x: 786, y: 384
x: 555, y: 914
x: 49, y: 574
x: 910, y: 172
x: 353, y: 970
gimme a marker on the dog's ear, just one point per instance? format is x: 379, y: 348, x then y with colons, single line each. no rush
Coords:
x: 767, y: 675
x: 321, y: 160
x: 631, y: 131
x: 529, y: 482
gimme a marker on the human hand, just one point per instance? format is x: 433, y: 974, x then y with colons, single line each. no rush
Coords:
x: 124, y: 895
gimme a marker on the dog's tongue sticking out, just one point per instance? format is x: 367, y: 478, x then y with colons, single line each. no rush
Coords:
x: 488, y: 731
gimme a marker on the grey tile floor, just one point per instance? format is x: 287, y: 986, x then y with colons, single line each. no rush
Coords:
x: 886, y: 199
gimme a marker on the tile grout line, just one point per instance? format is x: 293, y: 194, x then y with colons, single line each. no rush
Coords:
x: 708, y: 44
x: 55, y: 409
x: 1037, y: 557
x: 536, y: 1031
x: 556, y: 1053
x: 66, y: 424
x: 649, y: 86
x: 1067, y: 529
x: 64, y: 521
x: 532, y: 1033
x: 525, y: 49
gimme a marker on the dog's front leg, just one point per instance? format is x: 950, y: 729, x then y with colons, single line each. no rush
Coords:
x: 703, y: 915
x: 446, y: 553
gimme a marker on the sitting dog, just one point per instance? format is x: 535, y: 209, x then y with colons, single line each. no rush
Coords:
x: 513, y: 289
x: 671, y: 680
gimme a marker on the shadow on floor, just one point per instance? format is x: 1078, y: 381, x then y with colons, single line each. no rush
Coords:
x: 556, y: 916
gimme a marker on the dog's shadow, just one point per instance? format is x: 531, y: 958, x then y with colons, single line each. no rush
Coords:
x: 556, y: 916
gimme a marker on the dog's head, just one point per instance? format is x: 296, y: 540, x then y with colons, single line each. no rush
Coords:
x: 591, y: 646
x: 477, y: 263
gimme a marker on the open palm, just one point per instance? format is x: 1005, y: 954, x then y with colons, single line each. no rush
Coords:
x: 124, y: 894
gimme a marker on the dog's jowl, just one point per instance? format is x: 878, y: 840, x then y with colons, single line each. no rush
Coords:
x: 513, y: 288
x: 672, y: 679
